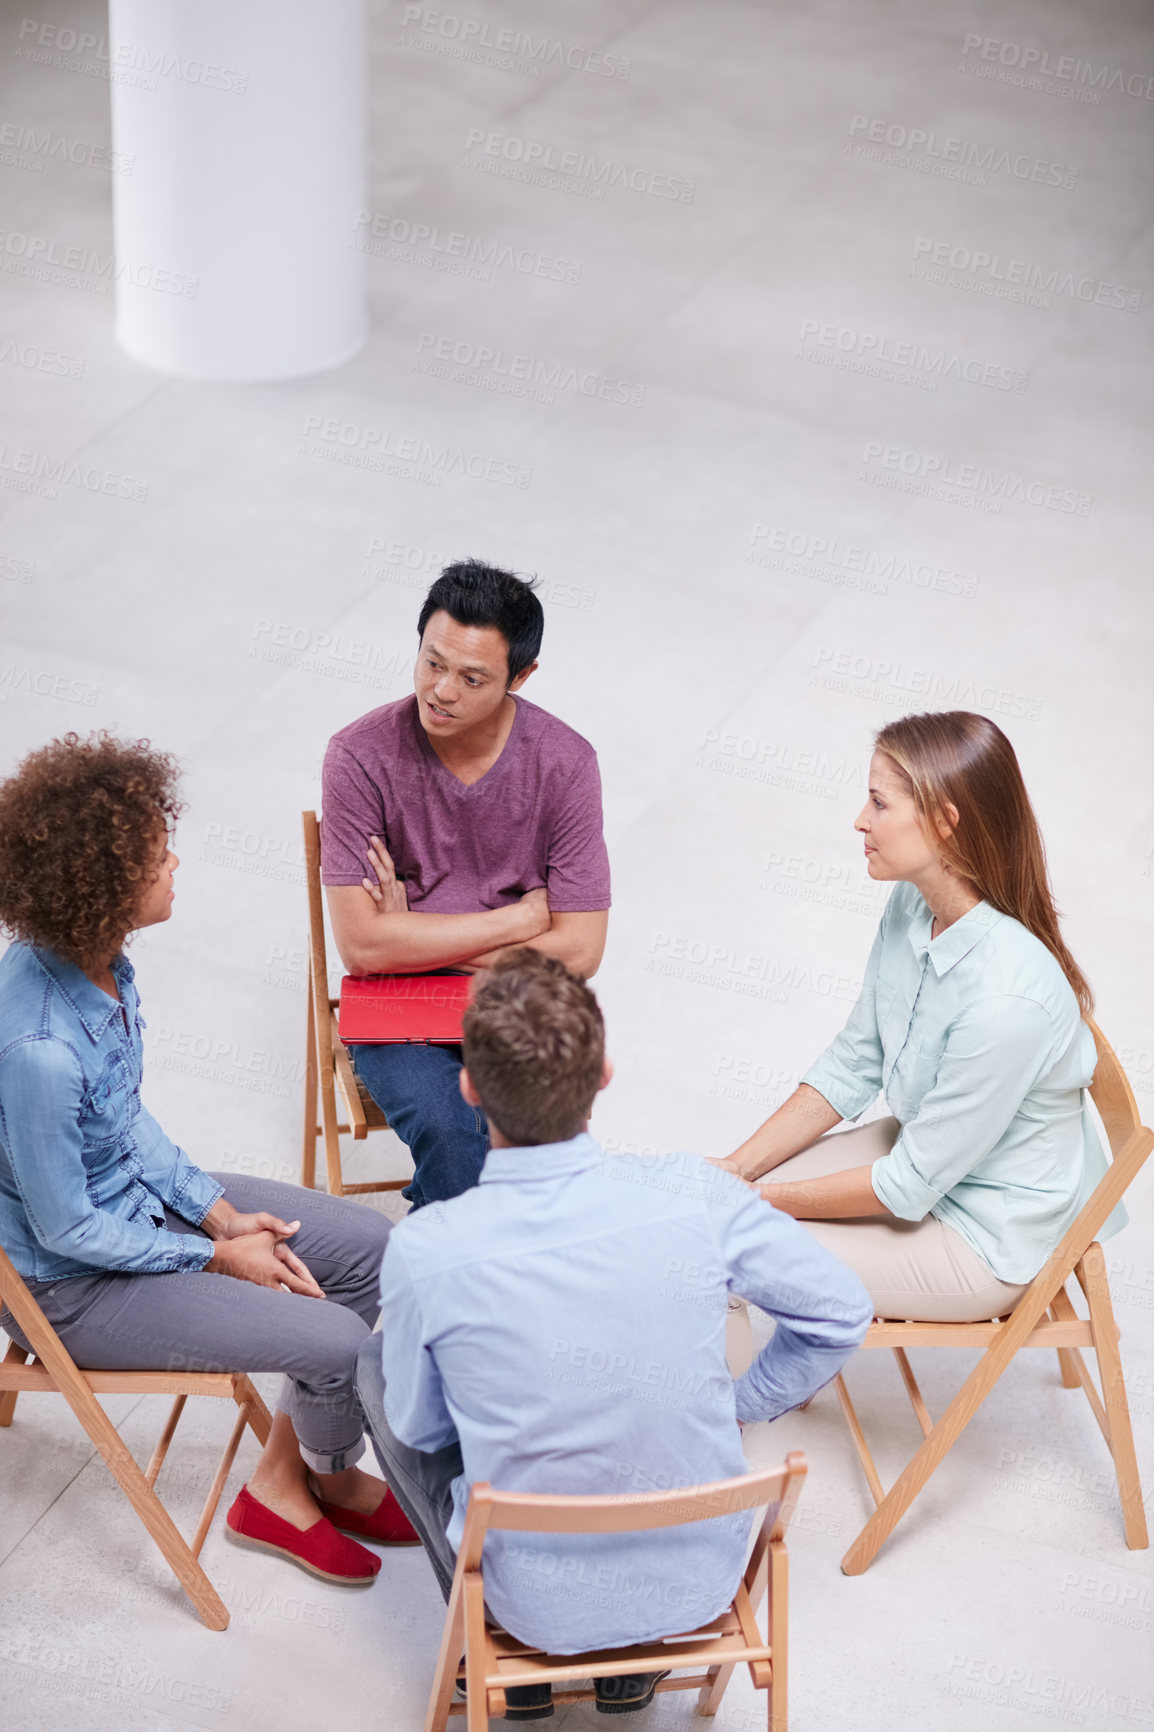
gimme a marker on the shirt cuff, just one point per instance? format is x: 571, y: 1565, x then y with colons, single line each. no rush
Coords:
x: 195, y: 1195
x: 200, y: 1254
x: 901, y: 1190
x: 746, y: 1410
x: 845, y: 1093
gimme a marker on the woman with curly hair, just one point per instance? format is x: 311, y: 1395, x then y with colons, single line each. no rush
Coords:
x: 136, y: 1255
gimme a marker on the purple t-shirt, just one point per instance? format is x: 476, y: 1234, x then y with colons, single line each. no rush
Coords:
x: 532, y: 821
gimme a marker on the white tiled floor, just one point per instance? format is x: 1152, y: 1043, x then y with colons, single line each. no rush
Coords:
x: 730, y: 688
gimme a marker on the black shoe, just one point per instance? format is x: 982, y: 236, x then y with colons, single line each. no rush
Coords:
x: 529, y: 1702
x: 625, y: 1695
x: 522, y: 1701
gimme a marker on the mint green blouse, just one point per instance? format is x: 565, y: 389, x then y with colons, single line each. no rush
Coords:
x: 978, y: 1044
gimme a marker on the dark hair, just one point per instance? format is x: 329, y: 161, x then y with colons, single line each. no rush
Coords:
x: 473, y: 593
x: 534, y: 1047
x: 957, y: 758
x: 79, y: 826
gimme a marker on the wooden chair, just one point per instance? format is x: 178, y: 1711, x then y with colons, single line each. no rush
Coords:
x: 51, y: 1368
x: 1028, y: 1325
x: 327, y: 1062
x: 494, y: 1661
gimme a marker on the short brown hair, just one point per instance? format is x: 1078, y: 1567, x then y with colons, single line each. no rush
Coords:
x: 535, y: 1048
x: 79, y: 824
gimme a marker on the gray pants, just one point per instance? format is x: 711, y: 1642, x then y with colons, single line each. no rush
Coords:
x: 201, y: 1322
x: 421, y: 1482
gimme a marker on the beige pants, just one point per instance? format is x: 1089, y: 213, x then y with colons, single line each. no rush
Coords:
x: 915, y: 1270
x: 919, y: 1270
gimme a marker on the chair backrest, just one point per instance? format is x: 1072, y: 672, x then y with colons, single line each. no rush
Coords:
x: 1111, y: 1093
x: 310, y: 824
x: 1129, y: 1139
x: 1130, y: 1142
x: 318, y: 956
x: 776, y: 1489
x: 37, y: 1330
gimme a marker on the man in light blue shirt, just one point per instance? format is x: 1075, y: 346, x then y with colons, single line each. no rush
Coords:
x: 561, y: 1328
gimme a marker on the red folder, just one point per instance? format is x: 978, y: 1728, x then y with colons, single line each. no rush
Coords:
x: 404, y: 1007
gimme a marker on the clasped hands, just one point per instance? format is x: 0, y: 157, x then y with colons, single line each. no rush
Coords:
x: 254, y: 1248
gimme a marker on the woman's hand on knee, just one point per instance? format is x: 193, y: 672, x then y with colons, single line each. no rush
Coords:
x: 260, y: 1257
x: 237, y: 1226
x: 731, y: 1164
x: 292, y: 1262
x: 224, y: 1222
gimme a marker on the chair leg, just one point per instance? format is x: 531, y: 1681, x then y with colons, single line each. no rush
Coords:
x: 1096, y: 1286
x: 223, y: 1469
x: 448, y: 1661
x: 14, y: 1356
x: 310, y: 1127
x: 778, y: 1635
x: 1069, y: 1375
x: 1067, y: 1367
x: 165, y: 1439
x: 873, y: 1479
x: 258, y: 1416
x: 711, y: 1692
x: 913, y: 1390
x: 336, y: 1183
x: 330, y: 1122
x: 893, y: 1506
x: 1064, y: 1312
x: 477, y: 1705
x: 177, y: 1553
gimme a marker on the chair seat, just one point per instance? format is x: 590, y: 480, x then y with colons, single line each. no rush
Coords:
x: 885, y: 1332
x: 37, y: 1376
x: 618, y: 1662
x: 515, y: 1663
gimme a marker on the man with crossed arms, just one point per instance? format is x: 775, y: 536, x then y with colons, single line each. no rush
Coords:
x: 458, y: 822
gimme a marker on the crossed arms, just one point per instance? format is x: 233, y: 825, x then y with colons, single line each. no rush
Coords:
x: 378, y: 933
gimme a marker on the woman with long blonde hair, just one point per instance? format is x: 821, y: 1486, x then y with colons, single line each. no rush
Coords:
x: 971, y: 1022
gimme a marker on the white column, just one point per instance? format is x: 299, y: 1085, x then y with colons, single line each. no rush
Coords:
x: 242, y: 122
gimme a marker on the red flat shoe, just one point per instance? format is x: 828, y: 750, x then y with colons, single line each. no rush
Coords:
x: 388, y: 1525
x: 319, y: 1549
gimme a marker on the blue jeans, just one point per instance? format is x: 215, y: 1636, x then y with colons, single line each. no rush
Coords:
x: 417, y: 1089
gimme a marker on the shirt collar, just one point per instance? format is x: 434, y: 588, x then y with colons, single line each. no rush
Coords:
x: 956, y: 941
x: 93, y: 1006
x: 541, y: 1161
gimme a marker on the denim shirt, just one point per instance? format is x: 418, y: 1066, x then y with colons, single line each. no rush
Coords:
x: 977, y: 1041
x: 85, y: 1170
